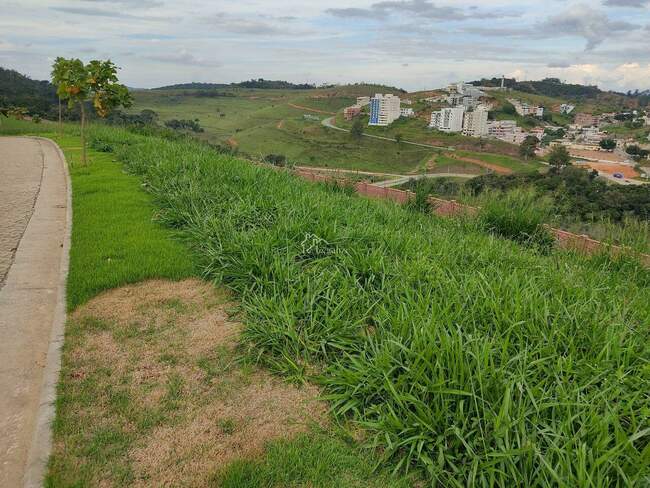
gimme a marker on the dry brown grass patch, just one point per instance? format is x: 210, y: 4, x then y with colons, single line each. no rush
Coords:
x: 164, y: 368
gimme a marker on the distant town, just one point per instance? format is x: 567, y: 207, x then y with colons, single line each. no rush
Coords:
x: 467, y: 109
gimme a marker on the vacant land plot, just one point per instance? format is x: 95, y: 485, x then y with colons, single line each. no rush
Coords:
x: 611, y: 168
x: 478, y: 360
x: 261, y: 122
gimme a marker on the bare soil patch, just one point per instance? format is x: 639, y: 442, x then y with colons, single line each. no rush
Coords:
x: 611, y: 168
x: 156, y: 365
x: 494, y: 167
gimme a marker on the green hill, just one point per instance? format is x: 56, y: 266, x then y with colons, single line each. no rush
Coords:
x: 38, y: 97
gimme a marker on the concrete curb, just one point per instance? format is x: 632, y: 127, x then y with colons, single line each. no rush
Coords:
x: 41, y: 444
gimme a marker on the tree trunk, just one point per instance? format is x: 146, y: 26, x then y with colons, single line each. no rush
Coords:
x: 59, y: 115
x: 83, y: 134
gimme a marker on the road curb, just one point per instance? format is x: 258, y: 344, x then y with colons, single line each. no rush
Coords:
x: 41, y: 444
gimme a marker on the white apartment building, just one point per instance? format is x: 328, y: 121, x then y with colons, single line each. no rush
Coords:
x: 463, y: 94
x: 475, y: 122
x: 363, y: 101
x: 506, y: 130
x: 384, y: 109
x: 448, y: 119
x: 523, y: 108
x: 406, y: 112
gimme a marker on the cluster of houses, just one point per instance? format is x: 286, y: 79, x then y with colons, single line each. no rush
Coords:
x: 467, y: 113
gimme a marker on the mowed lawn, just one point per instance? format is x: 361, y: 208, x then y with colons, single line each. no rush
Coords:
x: 115, y: 238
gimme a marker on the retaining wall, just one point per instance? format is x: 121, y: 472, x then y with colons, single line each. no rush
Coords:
x: 451, y: 208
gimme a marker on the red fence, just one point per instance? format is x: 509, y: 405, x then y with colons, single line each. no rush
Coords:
x: 451, y: 208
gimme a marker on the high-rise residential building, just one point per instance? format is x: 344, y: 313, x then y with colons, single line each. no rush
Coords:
x: 506, y: 130
x: 448, y: 119
x: 363, y: 101
x: 475, y: 122
x: 384, y: 109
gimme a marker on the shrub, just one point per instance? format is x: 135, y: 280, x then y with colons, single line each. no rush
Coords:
x: 519, y: 215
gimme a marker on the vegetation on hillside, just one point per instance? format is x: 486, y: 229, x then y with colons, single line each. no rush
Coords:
x: 474, y: 359
x: 17, y: 90
x: 259, y: 83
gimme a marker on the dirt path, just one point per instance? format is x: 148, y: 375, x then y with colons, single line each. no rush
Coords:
x: 494, y: 167
x: 280, y: 124
x: 315, y: 110
x: 32, y: 302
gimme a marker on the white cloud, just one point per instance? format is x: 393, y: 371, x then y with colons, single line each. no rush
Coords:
x: 409, y: 43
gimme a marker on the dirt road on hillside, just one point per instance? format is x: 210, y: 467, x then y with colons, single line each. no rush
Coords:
x: 35, y: 219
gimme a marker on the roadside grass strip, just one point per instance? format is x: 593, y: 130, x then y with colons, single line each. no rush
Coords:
x: 115, y: 237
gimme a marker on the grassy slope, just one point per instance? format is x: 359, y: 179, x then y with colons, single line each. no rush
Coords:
x: 114, y: 242
x: 478, y: 360
x: 260, y: 122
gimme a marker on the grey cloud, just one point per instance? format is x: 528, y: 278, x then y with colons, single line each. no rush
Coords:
x: 558, y: 64
x: 249, y: 26
x: 420, y: 8
x: 143, y: 4
x: 183, y: 58
x: 97, y: 12
x: 580, y: 20
x: 627, y: 3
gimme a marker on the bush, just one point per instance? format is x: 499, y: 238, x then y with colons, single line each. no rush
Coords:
x: 519, y: 215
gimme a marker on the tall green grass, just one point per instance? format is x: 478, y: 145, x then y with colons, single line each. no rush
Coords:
x: 519, y: 214
x: 461, y: 353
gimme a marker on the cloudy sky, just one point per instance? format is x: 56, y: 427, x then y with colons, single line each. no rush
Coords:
x: 414, y: 44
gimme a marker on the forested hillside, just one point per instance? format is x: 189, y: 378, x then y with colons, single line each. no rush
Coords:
x: 38, y: 97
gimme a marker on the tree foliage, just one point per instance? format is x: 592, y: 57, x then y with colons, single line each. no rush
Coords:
x: 559, y: 157
x: 608, y: 144
x: 528, y: 147
x: 78, y: 83
x: 357, y: 128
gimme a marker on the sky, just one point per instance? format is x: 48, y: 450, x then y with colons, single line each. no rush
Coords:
x: 412, y: 44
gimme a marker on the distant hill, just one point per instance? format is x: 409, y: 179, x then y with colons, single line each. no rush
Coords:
x: 193, y: 86
x: 550, y: 87
x: 260, y: 83
x: 38, y: 97
x: 589, y: 95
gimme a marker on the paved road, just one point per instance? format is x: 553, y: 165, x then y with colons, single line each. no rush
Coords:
x: 34, y: 199
x: 329, y: 123
x: 392, y: 178
x: 406, y: 178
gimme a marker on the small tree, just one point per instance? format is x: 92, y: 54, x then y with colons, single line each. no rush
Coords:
x: 58, y: 72
x: 399, y: 138
x: 528, y: 147
x: 97, y: 82
x: 559, y: 157
x: 632, y: 149
x: 357, y: 128
x: 608, y: 144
